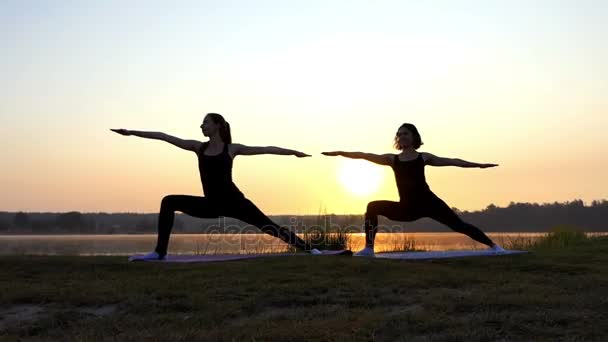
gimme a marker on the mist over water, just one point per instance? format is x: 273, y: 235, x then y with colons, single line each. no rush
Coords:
x: 225, y: 243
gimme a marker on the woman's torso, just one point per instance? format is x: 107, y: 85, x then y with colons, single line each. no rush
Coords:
x: 216, y: 174
x: 410, y: 178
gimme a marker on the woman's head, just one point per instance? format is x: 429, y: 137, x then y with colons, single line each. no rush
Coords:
x: 215, y: 123
x: 407, y: 136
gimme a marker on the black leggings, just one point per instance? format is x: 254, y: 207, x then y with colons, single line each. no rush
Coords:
x: 422, y: 206
x: 204, y: 207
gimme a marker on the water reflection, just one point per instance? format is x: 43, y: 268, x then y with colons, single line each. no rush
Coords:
x: 227, y: 243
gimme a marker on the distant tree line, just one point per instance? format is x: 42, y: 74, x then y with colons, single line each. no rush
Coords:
x: 516, y: 217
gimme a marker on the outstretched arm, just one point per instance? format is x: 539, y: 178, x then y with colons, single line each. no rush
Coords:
x: 190, y: 145
x: 433, y: 160
x: 239, y: 149
x: 382, y: 159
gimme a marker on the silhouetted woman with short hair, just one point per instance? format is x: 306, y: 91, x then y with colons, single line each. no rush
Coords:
x: 222, y: 197
x: 416, y: 198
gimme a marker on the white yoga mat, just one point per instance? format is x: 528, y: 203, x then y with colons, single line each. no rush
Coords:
x: 444, y: 254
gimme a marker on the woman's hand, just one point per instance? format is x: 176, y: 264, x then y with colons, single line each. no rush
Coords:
x: 121, y: 131
x: 301, y: 154
x: 484, y: 166
x: 380, y: 159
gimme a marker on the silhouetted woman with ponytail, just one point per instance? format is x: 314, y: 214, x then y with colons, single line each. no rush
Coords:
x: 222, y: 197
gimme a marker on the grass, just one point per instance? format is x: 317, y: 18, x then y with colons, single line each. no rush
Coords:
x: 321, y: 239
x: 403, y: 243
x: 561, y: 237
x: 518, y: 242
x: 325, y: 236
x: 557, y: 292
x: 558, y: 237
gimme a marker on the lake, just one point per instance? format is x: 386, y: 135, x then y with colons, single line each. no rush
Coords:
x: 226, y: 243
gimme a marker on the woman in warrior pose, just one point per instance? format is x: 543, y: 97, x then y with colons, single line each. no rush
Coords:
x: 222, y: 197
x: 416, y: 198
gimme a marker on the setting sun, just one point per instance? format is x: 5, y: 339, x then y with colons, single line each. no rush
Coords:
x: 360, y: 177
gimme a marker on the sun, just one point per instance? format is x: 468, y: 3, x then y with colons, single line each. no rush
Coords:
x: 360, y: 177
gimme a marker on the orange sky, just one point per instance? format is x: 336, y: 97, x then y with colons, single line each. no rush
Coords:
x: 522, y: 87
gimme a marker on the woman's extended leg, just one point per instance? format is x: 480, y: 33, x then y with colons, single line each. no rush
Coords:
x: 439, y: 211
x: 392, y: 210
x: 195, y: 206
x: 247, y: 212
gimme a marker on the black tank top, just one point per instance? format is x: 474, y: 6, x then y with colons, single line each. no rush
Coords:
x: 216, y: 174
x: 410, y: 178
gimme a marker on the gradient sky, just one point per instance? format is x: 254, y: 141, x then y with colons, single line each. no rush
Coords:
x: 519, y: 83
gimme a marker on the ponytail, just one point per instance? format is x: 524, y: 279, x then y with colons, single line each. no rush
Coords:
x: 224, y: 127
x: 225, y: 133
